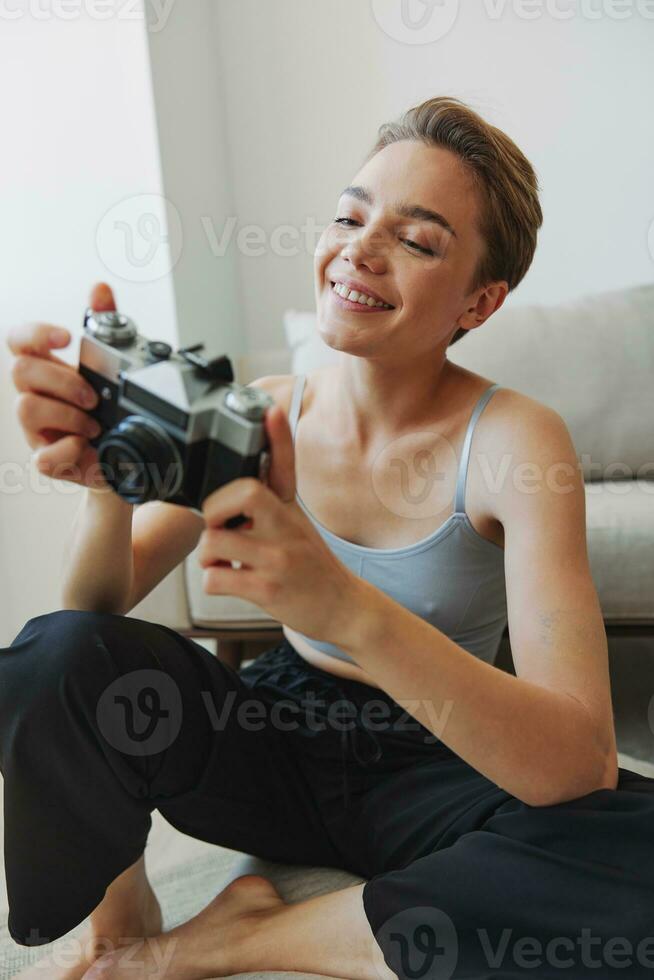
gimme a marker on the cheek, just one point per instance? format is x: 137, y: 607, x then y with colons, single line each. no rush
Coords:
x: 327, y: 246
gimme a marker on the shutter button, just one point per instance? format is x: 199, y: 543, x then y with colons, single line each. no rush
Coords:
x: 157, y: 350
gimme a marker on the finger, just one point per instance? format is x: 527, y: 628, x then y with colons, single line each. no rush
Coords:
x: 63, y: 455
x: 36, y: 338
x: 246, y: 496
x: 281, y: 477
x: 218, y: 544
x: 36, y: 412
x: 227, y: 581
x: 44, y: 437
x: 102, y: 298
x: 48, y: 378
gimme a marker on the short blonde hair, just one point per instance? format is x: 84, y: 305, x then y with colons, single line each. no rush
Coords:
x: 510, y: 212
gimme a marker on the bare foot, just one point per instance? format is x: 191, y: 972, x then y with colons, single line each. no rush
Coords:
x: 75, y: 955
x: 201, y: 947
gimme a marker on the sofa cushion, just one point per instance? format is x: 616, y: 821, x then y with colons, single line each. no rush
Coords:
x: 620, y: 535
x: 591, y: 360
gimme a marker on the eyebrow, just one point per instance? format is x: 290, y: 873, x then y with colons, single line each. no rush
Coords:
x: 402, y: 208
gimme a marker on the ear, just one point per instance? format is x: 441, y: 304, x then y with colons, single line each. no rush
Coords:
x: 483, y: 303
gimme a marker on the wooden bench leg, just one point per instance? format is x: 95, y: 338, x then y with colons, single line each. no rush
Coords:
x: 230, y: 652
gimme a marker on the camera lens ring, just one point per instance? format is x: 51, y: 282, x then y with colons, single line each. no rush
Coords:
x: 127, y: 441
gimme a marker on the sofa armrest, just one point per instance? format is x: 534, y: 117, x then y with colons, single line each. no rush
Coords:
x: 167, y: 603
x: 221, y: 612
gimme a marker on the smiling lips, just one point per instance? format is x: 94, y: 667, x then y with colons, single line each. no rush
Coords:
x: 358, y: 302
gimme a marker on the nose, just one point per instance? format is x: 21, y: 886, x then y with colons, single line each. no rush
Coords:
x: 369, y: 247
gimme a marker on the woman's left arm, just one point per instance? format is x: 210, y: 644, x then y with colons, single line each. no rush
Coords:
x: 545, y: 735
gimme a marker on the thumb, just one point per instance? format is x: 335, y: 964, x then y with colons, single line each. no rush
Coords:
x: 281, y: 476
x: 102, y: 298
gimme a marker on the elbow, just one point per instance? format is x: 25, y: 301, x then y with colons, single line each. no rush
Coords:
x: 603, y: 775
x: 95, y: 605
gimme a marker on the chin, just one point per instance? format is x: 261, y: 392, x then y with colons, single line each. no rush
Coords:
x: 341, y: 338
x: 334, y: 334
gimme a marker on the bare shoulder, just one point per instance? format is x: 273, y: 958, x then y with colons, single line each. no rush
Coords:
x: 278, y: 386
x: 526, y: 450
x: 517, y: 421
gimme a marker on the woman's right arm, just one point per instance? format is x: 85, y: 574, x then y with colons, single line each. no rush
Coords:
x: 118, y: 553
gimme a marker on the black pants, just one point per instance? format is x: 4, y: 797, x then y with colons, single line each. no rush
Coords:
x: 105, y: 718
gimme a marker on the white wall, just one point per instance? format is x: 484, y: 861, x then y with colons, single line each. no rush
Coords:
x: 188, y: 85
x: 307, y: 84
x: 78, y: 137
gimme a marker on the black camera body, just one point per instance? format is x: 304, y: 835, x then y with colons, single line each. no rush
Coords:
x: 175, y: 425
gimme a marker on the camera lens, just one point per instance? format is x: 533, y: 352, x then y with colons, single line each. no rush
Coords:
x: 140, y: 460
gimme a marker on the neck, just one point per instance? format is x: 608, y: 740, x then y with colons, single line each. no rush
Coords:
x: 378, y: 400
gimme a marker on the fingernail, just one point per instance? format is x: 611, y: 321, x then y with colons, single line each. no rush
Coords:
x: 93, y: 429
x: 57, y: 336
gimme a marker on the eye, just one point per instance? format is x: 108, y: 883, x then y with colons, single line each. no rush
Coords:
x: 407, y: 241
x: 420, y: 248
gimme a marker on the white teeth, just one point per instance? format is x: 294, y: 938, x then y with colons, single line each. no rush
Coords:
x: 355, y: 297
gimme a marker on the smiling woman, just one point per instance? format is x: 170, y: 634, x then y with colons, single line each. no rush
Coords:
x: 474, y: 802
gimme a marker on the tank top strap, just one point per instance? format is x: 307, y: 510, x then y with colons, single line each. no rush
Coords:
x: 459, y: 502
x: 296, y: 403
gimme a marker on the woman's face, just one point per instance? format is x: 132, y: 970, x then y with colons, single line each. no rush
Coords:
x: 421, y: 264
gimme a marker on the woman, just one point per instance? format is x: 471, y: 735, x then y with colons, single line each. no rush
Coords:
x: 486, y: 811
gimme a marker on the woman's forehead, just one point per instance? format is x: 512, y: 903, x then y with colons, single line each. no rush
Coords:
x: 410, y: 173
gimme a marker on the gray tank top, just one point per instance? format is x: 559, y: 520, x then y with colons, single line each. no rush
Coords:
x: 453, y: 578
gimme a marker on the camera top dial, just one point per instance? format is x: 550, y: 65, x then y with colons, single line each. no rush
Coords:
x: 111, y: 327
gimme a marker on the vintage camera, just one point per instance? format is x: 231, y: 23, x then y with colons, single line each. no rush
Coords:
x: 175, y: 425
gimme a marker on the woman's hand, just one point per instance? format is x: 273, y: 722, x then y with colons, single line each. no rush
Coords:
x: 54, y: 399
x: 287, y: 569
